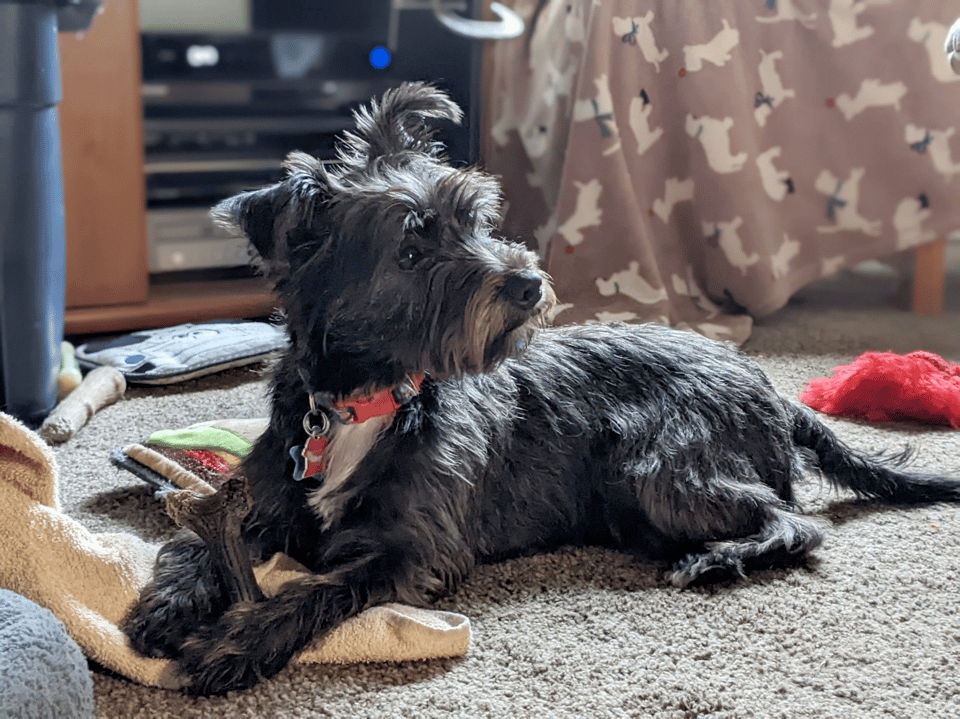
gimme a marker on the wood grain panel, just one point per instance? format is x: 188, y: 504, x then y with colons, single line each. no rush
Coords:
x: 178, y: 303
x: 101, y: 126
x: 929, y: 277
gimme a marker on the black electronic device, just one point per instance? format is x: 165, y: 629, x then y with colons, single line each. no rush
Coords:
x: 231, y: 86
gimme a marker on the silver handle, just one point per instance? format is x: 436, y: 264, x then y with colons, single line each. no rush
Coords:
x: 509, y: 25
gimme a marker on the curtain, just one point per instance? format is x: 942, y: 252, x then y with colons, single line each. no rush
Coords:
x: 695, y: 163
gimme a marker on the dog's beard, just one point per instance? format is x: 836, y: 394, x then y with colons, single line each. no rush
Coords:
x: 509, y: 344
x: 491, y: 332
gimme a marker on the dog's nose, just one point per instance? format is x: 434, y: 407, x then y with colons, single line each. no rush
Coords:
x: 524, y: 291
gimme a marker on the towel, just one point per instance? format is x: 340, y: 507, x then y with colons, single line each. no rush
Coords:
x: 89, y: 580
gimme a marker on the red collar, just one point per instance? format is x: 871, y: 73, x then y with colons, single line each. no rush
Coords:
x: 379, y: 404
x: 310, y: 459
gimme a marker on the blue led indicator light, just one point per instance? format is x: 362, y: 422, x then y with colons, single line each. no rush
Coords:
x: 379, y: 57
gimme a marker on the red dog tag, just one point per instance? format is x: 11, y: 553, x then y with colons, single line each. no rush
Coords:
x: 313, y: 456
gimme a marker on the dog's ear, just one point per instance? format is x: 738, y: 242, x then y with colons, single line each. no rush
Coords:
x: 398, y: 123
x: 251, y: 215
x: 266, y: 217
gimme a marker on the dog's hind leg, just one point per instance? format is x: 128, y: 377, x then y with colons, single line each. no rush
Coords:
x: 785, y: 538
x: 716, y: 506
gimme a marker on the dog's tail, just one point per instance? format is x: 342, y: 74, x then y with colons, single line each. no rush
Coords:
x: 868, y: 476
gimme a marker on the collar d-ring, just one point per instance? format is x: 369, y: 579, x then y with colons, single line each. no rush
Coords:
x: 315, y: 430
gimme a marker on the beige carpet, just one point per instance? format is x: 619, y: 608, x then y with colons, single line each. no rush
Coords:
x: 872, y: 630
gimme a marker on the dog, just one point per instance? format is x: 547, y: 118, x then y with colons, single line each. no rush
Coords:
x: 425, y: 418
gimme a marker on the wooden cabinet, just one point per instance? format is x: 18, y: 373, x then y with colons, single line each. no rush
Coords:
x: 109, y: 287
x: 102, y: 142
x: 101, y: 120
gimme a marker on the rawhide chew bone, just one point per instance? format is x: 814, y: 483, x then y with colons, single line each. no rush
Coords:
x: 101, y: 387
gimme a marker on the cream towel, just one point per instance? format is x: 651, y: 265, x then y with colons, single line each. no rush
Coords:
x: 90, y: 580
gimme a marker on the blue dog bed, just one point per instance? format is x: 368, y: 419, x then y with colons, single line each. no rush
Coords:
x: 43, y: 673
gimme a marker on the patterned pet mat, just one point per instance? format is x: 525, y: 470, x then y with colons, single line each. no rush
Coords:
x: 175, y: 354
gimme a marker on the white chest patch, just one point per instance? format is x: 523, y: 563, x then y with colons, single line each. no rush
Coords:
x: 349, y: 444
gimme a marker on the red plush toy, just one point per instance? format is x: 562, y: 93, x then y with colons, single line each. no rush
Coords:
x: 885, y: 387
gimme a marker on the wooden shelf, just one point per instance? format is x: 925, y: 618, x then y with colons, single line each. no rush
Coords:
x: 176, y: 303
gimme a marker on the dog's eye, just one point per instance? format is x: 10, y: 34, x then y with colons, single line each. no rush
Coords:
x: 409, y: 257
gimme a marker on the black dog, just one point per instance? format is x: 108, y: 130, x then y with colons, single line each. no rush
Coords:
x: 422, y: 421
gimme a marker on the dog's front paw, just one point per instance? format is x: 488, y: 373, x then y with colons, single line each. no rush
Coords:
x: 151, y: 628
x: 236, y: 652
x: 160, y: 621
x: 183, y: 596
x: 158, y: 624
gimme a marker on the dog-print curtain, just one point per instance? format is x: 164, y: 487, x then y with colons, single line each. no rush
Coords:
x: 695, y: 163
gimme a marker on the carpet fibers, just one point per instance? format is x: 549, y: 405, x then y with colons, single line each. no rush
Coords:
x: 869, y: 629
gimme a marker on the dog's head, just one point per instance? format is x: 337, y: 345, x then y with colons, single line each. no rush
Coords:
x: 386, y: 261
